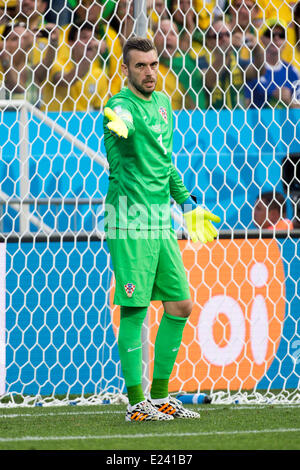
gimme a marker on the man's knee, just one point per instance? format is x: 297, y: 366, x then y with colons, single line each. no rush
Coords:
x: 187, y: 308
x: 182, y: 308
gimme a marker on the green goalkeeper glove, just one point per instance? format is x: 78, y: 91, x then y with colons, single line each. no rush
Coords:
x: 199, y: 226
x: 116, y: 125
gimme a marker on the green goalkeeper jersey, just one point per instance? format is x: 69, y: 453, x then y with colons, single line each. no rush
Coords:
x: 142, y: 177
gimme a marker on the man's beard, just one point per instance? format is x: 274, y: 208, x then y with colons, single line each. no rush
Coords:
x: 140, y: 88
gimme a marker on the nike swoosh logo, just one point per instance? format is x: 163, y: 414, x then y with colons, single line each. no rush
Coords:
x: 133, y: 349
x: 175, y: 349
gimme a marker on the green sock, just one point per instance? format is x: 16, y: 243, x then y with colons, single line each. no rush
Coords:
x: 135, y: 394
x: 167, y: 344
x: 130, y: 350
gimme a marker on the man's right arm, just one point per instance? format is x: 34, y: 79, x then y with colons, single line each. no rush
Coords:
x: 120, y: 121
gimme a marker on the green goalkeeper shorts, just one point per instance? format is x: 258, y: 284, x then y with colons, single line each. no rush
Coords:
x: 148, y: 268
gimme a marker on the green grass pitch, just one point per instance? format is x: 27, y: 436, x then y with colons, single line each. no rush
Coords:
x: 102, y: 427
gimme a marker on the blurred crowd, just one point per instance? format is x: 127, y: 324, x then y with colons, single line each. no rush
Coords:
x: 65, y: 55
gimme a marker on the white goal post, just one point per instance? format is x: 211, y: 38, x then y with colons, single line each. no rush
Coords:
x: 230, y: 344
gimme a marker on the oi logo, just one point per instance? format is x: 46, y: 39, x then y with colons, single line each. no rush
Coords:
x: 233, y: 333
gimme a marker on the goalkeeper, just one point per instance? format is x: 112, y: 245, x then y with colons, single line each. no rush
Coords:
x: 138, y: 134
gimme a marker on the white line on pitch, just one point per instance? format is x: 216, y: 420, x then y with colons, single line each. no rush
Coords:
x: 66, y: 413
x: 78, y: 412
x: 142, y: 436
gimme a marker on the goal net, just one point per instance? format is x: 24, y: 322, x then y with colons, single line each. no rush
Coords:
x: 236, y: 141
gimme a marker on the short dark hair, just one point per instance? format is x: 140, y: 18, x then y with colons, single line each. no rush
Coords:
x: 274, y: 201
x: 139, y: 44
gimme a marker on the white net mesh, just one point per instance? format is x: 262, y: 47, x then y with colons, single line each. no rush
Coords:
x: 231, y: 71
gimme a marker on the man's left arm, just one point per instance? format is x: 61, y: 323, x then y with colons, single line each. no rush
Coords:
x: 178, y: 190
x: 198, y: 220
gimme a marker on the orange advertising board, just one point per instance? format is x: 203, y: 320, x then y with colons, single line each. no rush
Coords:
x: 233, y: 333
